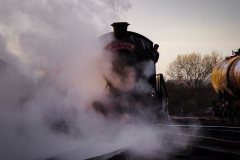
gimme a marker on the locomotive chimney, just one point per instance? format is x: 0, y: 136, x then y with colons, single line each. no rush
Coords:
x: 120, y: 29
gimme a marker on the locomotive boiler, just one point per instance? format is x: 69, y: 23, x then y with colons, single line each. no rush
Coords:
x: 133, y: 88
x: 226, y: 82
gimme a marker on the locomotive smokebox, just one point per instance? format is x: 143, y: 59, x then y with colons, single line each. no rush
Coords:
x: 120, y: 29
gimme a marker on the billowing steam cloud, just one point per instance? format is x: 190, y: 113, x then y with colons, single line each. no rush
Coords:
x: 50, y: 73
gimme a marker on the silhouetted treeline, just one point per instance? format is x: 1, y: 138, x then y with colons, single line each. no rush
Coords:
x: 183, y: 102
x: 189, y: 86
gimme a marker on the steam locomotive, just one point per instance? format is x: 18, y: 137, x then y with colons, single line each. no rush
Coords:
x: 226, y: 82
x: 133, y: 88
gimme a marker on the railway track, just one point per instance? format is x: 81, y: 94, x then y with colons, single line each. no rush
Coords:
x: 210, y: 143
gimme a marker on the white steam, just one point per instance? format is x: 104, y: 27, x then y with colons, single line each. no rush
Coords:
x: 50, y: 74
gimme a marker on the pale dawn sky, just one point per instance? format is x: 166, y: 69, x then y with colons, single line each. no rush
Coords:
x: 184, y: 26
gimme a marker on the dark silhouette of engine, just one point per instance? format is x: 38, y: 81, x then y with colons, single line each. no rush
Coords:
x: 134, y: 88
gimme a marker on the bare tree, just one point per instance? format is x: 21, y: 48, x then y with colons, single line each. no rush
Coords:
x: 192, y: 70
